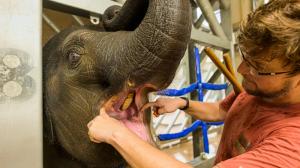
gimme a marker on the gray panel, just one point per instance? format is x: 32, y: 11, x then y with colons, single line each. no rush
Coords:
x: 20, y: 84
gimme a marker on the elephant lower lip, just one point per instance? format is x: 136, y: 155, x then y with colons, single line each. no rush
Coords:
x: 132, y: 118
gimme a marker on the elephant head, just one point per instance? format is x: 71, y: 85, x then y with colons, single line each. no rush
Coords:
x: 115, y: 67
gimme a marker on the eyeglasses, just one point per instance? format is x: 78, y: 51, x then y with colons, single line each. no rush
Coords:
x: 254, y: 71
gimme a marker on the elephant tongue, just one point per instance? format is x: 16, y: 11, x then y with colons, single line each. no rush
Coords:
x: 131, y: 117
x: 139, y: 129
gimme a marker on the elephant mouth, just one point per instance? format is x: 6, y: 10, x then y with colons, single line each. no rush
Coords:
x: 126, y: 107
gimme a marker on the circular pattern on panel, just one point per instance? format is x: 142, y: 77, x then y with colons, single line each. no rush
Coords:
x: 15, y: 81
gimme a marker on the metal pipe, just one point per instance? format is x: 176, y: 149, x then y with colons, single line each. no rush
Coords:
x: 155, y: 126
x: 210, y: 16
x: 258, y: 3
x: 78, y: 20
x: 50, y: 23
x: 199, y: 22
x: 246, y: 7
x: 173, y: 121
x: 224, y: 4
x: 183, y: 124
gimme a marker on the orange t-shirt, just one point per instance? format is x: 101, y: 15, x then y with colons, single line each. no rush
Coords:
x: 273, y: 133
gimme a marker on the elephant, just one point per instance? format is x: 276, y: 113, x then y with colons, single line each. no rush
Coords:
x: 135, y: 50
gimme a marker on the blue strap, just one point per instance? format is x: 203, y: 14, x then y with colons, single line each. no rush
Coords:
x: 185, y: 132
x: 174, y: 92
x: 199, y: 86
x: 210, y: 86
x: 205, y: 137
x: 192, y: 87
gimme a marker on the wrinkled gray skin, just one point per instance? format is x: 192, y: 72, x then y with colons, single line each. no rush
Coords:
x: 85, y: 67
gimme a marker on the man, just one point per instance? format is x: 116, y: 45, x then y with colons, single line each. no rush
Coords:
x: 267, y: 114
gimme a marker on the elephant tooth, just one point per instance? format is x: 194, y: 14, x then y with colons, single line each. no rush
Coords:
x: 127, y: 101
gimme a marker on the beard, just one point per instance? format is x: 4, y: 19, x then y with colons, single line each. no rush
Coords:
x: 255, y: 91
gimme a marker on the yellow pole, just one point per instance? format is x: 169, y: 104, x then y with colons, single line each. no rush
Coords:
x: 237, y: 87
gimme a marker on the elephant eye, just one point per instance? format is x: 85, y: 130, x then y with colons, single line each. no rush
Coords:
x: 73, y: 59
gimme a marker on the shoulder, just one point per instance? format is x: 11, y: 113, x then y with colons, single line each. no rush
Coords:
x: 232, y: 99
x: 281, y: 149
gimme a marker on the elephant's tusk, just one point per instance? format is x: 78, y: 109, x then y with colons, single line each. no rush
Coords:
x: 127, y: 101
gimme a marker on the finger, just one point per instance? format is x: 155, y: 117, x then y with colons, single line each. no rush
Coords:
x: 93, y: 139
x: 160, y: 111
x: 103, y: 112
x: 90, y: 124
x: 148, y: 105
x: 154, y: 111
x: 156, y: 114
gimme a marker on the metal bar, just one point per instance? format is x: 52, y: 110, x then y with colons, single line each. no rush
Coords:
x: 201, y: 19
x: 200, y: 162
x: 226, y: 22
x: 50, y: 23
x: 161, y: 117
x: 246, y: 8
x: 199, y: 22
x: 258, y: 3
x: 78, y: 20
x: 225, y: 4
x: 80, y: 7
x: 228, y: 28
x: 210, y: 40
x: 210, y: 16
x: 183, y: 124
x: 21, y: 98
x: 176, y: 115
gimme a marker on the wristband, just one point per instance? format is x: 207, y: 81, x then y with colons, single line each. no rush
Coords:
x: 187, y: 103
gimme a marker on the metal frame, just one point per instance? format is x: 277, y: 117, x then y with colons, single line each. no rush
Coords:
x: 80, y: 8
x: 220, y: 38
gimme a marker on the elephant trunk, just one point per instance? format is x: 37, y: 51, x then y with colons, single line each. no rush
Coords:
x: 154, y: 49
x: 165, y: 29
x: 126, y: 18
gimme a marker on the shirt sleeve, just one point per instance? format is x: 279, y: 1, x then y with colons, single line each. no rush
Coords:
x: 279, y: 150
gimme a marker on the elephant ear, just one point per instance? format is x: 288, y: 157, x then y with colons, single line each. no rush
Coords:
x: 48, y: 129
x: 126, y: 18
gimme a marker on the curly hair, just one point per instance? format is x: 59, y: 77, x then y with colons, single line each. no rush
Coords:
x: 274, y: 26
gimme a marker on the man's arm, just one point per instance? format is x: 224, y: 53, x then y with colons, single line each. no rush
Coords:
x: 135, y: 151
x: 199, y: 110
x: 211, y: 111
x: 139, y: 153
x: 206, y: 111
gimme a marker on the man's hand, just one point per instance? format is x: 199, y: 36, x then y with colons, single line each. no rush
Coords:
x: 165, y: 105
x: 102, y: 127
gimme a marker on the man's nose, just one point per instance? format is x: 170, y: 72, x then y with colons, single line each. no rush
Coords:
x: 243, y: 68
